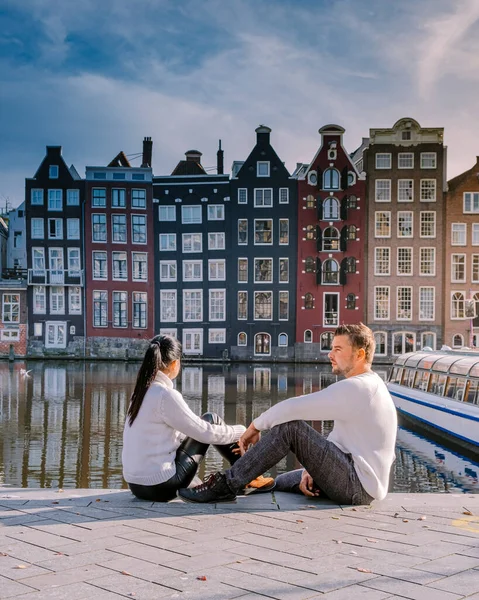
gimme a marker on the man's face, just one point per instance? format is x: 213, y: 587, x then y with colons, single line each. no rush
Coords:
x: 343, y: 356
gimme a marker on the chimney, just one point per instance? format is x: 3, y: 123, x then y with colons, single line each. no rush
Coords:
x: 193, y: 156
x: 220, y: 160
x: 262, y: 134
x: 147, y: 152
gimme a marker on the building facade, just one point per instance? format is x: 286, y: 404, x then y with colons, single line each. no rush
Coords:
x: 16, y: 263
x: 461, y: 284
x: 262, y: 261
x: 191, y: 220
x: 331, y: 241
x: 54, y: 246
x: 119, y: 257
x: 406, y: 180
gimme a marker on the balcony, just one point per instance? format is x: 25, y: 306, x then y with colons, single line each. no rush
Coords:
x: 55, y: 277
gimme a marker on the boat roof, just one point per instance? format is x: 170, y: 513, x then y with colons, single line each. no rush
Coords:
x: 453, y: 362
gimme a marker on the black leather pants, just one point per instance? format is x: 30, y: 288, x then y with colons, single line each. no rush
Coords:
x: 188, y: 458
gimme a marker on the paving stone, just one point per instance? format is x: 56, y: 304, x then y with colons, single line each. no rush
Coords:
x: 355, y: 592
x: 409, y: 590
x: 22, y: 551
x: 149, y: 553
x: 12, y: 589
x: 207, y: 561
x: 129, y: 586
x: 102, y: 543
x: 466, y: 582
x: 138, y: 568
x: 64, y: 563
x: 413, y: 575
x: 449, y: 565
x: 79, y: 574
x: 9, y: 568
x: 74, y: 591
x: 437, y: 550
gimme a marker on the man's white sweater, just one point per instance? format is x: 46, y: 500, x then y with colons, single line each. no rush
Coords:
x: 365, y: 424
x: 164, y: 420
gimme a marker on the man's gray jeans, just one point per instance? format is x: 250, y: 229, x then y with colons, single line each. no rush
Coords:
x: 331, y: 469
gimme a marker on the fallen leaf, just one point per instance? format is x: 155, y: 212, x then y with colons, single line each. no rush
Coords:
x: 405, y: 521
x: 299, y: 521
x: 55, y: 502
x: 20, y: 567
x: 337, y: 518
x: 98, y: 500
x: 59, y: 491
x: 467, y: 512
x: 354, y: 509
x: 125, y: 573
x: 371, y: 540
x: 423, y: 518
x: 3, y: 554
x: 363, y: 570
x: 201, y: 577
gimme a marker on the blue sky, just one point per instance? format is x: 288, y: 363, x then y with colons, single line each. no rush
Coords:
x: 96, y: 77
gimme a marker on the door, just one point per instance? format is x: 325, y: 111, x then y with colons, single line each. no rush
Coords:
x: 56, y: 335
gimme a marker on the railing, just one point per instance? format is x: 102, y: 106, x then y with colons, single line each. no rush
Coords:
x: 55, y: 277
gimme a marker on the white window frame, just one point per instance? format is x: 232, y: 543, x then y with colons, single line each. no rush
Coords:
x: 269, y: 281
x: 463, y: 293
x: 384, y: 333
x: 12, y: 304
x: 55, y: 200
x: 304, y: 336
x: 93, y: 265
x: 39, y: 291
x: 73, y: 272
x: 195, y: 238
x: 422, y: 223
x: 272, y: 233
x: 216, y: 212
x: 102, y: 241
x: 376, y: 214
x: 407, y: 249
x: 173, y: 304
x: 213, y: 332
x: 430, y: 155
x: 279, y: 232
x: 36, y: 197
x: 454, y: 279
x: 475, y: 234
x: 187, y: 293
x: 169, y: 331
x: 376, y: 190
x: 260, y: 202
x: 145, y: 260
x: 280, y: 294
x: 405, y: 185
x: 263, y: 163
x: 60, y: 310
x: 463, y: 227
x: 56, y: 326
x: 410, y: 313
x: 421, y: 303
x: 325, y: 323
x: 245, y: 318
x: 37, y: 221
x: 255, y: 318
x: 242, y: 193
x: 433, y: 262
x: 220, y: 240
x: 283, y: 258
x: 100, y: 292
x: 411, y: 214
x: 73, y: 197
x: 170, y: 237
x: 245, y: 339
x: 168, y: 264
x: 114, y: 276
x: 196, y: 267
x: 473, y: 200
x: 120, y: 194
x: 222, y: 293
x: 376, y: 289
x: 386, y: 157
x: 192, y: 332
x: 216, y: 264
x: 196, y: 217
x: 133, y: 241
x: 98, y: 201
x: 381, y: 260
x: 424, y: 333
x: 424, y: 188
x: 170, y: 210
x: 123, y: 224
x: 136, y: 197
x: 74, y: 291
x: 69, y: 223
x: 284, y: 195
x: 58, y: 229
x: 242, y: 258
x: 474, y: 259
x: 406, y: 156
x: 134, y: 303
x: 116, y: 302
x: 279, y: 337
x: 403, y: 344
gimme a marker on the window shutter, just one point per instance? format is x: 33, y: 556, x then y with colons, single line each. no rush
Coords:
x: 319, y: 206
x: 343, y: 242
x: 342, y: 271
x: 320, y: 179
x: 344, y: 178
x: 344, y: 209
x: 318, y: 271
x: 319, y: 238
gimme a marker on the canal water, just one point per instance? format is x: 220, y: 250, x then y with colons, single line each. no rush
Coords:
x: 61, y: 423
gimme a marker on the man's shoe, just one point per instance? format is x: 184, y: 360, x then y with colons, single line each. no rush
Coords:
x: 259, y: 485
x: 213, y: 489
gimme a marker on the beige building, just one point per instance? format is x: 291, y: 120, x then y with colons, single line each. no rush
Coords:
x: 461, y: 284
x: 406, y: 180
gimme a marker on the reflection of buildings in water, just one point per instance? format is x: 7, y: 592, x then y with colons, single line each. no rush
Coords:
x: 307, y: 385
x: 282, y: 383
x: 192, y: 388
x: 262, y: 379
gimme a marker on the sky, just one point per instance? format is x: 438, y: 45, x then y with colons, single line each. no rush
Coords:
x: 96, y: 77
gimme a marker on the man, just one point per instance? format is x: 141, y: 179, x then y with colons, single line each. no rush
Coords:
x: 352, y: 465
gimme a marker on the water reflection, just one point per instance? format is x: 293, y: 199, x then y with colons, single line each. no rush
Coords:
x: 62, y: 425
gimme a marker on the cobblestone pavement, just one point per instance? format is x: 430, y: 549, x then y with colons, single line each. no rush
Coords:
x: 104, y: 544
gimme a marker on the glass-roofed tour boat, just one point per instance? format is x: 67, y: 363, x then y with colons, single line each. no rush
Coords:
x: 441, y: 391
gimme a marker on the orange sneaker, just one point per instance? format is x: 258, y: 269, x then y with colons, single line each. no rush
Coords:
x: 260, y: 484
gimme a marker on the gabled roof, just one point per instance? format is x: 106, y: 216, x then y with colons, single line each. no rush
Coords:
x: 455, y: 181
x: 188, y: 167
x: 120, y: 160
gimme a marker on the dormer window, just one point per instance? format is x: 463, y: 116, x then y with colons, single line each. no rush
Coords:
x: 312, y: 178
x: 53, y: 172
x: 331, y: 179
x: 406, y: 136
x: 262, y: 168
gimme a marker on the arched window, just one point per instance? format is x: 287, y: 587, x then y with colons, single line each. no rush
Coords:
x: 458, y: 341
x: 331, y: 179
x: 380, y: 338
x: 404, y: 341
x: 475, y: 322
x: 330, y: 239
x: 351, y: 301
x: 310, y: 232
x: 428, y: 339
x: 283, y: 339
x: 310, y: 201
x: 330, y: 272
x: 326, y: 341
x: 262, y: 344
x: 331, y: 209
x: 352, y: 232
x: 309, y: 301
x: 350, y: 265
x: 458, y: 307
x: 242, y: 339
x: 309, y: 265
x: 308, y: 336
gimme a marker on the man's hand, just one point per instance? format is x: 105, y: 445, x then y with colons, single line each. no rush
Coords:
x: 250, y: 436
x: 307, y: 485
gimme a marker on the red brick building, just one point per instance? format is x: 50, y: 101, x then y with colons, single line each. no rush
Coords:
x: 331, y: 219
x: 13, y: 318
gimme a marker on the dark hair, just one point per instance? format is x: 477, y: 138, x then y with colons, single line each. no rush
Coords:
x: 161, y: 352
x: 360, y: 336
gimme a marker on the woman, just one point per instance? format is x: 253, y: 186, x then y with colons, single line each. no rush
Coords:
x: 163, y: 440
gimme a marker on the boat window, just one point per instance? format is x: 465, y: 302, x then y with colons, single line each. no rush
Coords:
x: 408, y: 378
x: 414, y: 359
x: 422, y: 378
x: 474, y: 372
x: 472, y: 392
x: 396, y: 375
x: 437, y: 384
x: 428, y: 361
x: 455, y: 388
x: 463, y: 366
x: 400, y: 360
x: 444, y: 363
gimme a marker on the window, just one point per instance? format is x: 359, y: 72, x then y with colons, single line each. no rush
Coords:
x: 139, y: 266
x: 475, y: 270
x: 138, y: 198
x: 138, y: 226
x: 139, y: 310
x: 382, y: 261
x: 428, y: 339
x: 283, y: 306
x: 405, y: 190
x: 330, y: 272
x: 192, y: 305
x: 471, y: 202
x: 263, y: 198
x: 120, y: 268
x: 263, y: 306
x: 308, y: 336
x: 458, y: 341
x: 458, y: 305
x: 38, y: 229
x: 404, y: 264
x: 217, y: 305
x: 217, y: 336
x: 242, y: 270
x: 120, y: 309
x: 55, y: 335
x: 55, y: 229
x: 310, y: 201
x: 53, y: 172
x: 216, y: 241
x: 98, y: 197
x: 426, y: 303
x: 38, y: 329
x: 39, y: 300
x: 458, y: 268
x: 459, y: 234
x: 428, y: 224
x: 100, y: 309
x: 55, y: 200
x: 242, y: 231
x: 74, y: 263
x: 381, y: 343
x: 309, y: 265
x: 404, y: 342
x: 405, y: 224
x: 383, y: 190
x: 382, y: 227
x: 36, y: 197
x: 262, y: 169
x: 475, y: 234
x: 351, y: 301
x: 242, y: 305
x: 38, y: 260
x: 118, y: 198
x: 98, y: 175
x: 217, y: 270
x: 405, y: 160
x: 192, y: 342
x: 331, y: 179
x: 242, y: 339
x: 404, y: 303
x: 331, y: 239
x: 167, y: 306
x: 216, y: 212
x: 406, y: 135
x: 73, y: 229
x: 11, y: 308
x: 310, y: 232
x: 167, y: 270
x: 283, y: 195
x: 99, y: 227
x: 167, y: 213
x: 427, y: 261
x: 331, y: 310
x: 283, y: 232
x: 381, y: 303
x: 192, y: 270
x: 74, y: 300
x: 263, y: 231
x: 282, y: 339
x: 57, y: 300
x: 383, y: 160
x: 242, y: 196
x: 283, y: 270
x: 100, y: 266
x: 326, y: 341
x: 190, y: 214
x: 262, y: 344
x: 56, y: 265
x: 428, y: 190
x: 352, y: 202
x: 138, y: 177
x: 263, y: 270
x: 167, y: 242
x: 428, y: 160
x: 331, y: 209
x: 73, y: 197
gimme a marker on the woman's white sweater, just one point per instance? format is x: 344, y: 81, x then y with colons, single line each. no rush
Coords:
x: 164, y: 420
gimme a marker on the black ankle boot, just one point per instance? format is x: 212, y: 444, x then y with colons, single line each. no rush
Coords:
x: 214, y: 489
